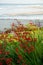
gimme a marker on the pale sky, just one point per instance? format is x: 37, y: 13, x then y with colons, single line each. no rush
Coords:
x: 20, y: 9
x: 14, y: 10
x: 21, y: 1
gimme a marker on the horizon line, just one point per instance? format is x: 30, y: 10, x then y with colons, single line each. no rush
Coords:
x: 21, y: 4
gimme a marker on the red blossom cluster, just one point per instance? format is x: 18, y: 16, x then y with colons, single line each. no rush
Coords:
x: 25, y: 40
x: 3, y: 55
x: 7, y: 61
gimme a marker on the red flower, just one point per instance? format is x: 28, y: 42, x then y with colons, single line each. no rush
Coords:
x: 0, y: 52
x: 32, y: 48
x: 16, y: 49
x: 26, y: 43
x: 26, y: 33
x: 21, y: 45
x: 20, y: 57
x: 24, y: 37
x: 29, y: 39
x: 8, y: 60
x: 28, y: 50
x: 35, y: 39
